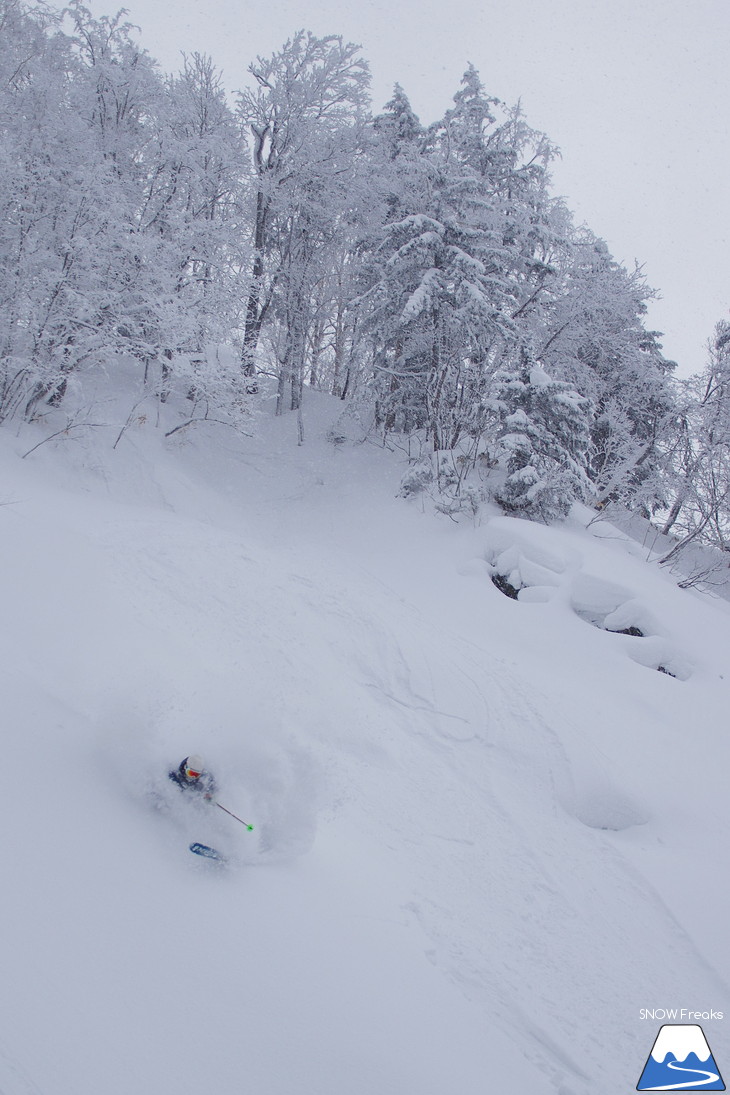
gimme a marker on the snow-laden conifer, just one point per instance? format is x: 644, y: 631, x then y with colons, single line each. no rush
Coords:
x: 544, y: 441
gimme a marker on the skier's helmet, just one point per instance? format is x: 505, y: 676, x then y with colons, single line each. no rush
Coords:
x: 194, y: 767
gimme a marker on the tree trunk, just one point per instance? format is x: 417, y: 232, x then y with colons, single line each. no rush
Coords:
x: 673, y: 513
x: 339, y: 351
x: 255, y: 310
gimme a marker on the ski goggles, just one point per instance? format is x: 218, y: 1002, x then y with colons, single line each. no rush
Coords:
x: 192, y: 774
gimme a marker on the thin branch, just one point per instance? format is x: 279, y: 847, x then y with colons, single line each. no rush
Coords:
x: 204, y: 418
x: 66, y: 430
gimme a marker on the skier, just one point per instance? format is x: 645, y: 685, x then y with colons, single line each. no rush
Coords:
x: 191, y: 776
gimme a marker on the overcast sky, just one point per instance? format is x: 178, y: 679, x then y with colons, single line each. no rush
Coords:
x: 636, y: 94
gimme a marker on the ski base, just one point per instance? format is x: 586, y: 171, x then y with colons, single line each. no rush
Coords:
x: 207, y: 852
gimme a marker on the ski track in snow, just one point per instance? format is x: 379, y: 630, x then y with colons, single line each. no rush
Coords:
x: 14, y: 1079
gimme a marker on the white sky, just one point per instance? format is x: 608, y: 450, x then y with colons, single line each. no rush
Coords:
x: 635, y: 93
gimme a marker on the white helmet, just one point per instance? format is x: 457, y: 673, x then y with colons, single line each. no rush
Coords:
x: 193, y: 766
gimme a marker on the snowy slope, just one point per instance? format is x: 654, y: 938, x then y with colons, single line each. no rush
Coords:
x: 488, y: 831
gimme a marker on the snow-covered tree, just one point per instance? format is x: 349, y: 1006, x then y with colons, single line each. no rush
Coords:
x: 701, y: 506
x: 595, y: 339
x: 191, y: 205
x: 544, y: 441
x: 460, y: 262
x: 398, y: 128
x: 167, y: 152
x: 48, y: 215
x: 306, y: 117
x: 118, y: 228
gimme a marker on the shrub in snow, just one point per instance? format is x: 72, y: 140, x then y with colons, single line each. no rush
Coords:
x: 444, y: 476
x: 351, y: 427
x: 417, y: 479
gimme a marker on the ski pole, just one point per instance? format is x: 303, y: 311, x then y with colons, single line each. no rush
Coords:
x: 249, y: 827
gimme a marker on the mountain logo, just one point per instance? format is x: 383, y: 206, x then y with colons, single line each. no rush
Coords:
x: 680, y: 1060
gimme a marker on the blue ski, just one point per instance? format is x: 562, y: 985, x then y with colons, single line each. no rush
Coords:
x: 207, y: 852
